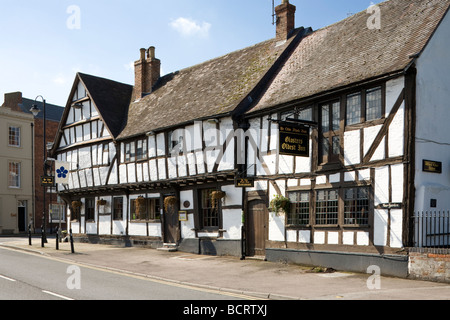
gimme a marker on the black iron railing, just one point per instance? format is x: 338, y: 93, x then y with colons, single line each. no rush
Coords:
x: 432, y: 229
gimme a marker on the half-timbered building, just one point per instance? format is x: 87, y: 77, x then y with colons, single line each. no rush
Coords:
x: 336, y: 123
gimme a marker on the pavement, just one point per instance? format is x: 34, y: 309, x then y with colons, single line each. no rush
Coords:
x: 252, y: 277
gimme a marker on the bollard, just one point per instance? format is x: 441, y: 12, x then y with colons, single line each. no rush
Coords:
x: 71, y: 241
x: 29, y: 234
x: 42, y: 237
x: 57, y: 240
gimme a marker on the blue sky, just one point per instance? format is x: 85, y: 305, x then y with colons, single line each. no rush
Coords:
x: 44, y: 43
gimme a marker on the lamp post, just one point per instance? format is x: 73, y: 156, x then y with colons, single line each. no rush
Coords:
x: 35, y: 111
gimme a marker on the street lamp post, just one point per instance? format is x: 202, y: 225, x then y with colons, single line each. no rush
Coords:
x: 35, y: 111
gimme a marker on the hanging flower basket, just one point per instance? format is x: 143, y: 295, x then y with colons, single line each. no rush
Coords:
x: 101, y: 202
x: 140, y: 205
x: 217, y: 195
x: 76, y: 204
x: 280, y: 204
x: 170, y: 202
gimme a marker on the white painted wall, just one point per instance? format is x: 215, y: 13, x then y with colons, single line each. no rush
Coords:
x: 433, y: 118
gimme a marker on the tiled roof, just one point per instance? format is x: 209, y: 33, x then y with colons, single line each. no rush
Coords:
x: 111, y: 98
x: 349, y: 51
x: 215, y: 87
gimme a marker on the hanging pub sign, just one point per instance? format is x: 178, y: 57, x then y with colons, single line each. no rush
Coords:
x: 47, y: 181
x: 294, y: 140
x: 432, y: 166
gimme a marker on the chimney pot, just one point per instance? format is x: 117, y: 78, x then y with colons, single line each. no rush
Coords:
x: 151, y: 53
x: 147, y: 72
x: 142, y: 54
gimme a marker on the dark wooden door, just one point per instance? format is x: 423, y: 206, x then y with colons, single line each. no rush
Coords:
x: 257, y: 228
x: 171, y: 225
x: 22, y: 219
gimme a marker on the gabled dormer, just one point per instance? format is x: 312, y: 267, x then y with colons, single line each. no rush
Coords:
x: 95, y: 112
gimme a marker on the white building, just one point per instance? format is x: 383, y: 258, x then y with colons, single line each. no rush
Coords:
x: 372, y: 90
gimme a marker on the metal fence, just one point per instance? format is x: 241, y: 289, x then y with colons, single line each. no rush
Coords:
x: 432, y: 229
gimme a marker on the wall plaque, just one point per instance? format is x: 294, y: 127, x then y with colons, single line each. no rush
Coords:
x: 432, y: 166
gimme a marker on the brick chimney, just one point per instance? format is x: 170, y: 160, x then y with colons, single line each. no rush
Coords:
x: 13, y: 100
x: 147, y: 71
x: 285, y: 20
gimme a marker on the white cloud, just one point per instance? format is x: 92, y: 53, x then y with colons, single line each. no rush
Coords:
x: 60, y: 79
x: 129, y: 66
x: 188, y: 27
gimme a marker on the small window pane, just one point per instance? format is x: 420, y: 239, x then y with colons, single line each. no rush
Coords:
x: 336, y: 145
x: 299, y: 214
x: 14, y: 175
x: 209, y: 209
x: 14, y: 136
x: 336, y: 109
x: 306, y: 115
x: 90, y: 209
x: 325, y: 118
x: 118, y: 209
x: 354, y: 109
x: 327, y: 207
x: 325, y: 147
x: 356, y: 206
x: 374, y: 105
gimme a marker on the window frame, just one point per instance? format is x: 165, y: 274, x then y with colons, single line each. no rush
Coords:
x: 131, y: 154
x: 332, y: 132
x: 331, y: 218
x: 211, y: 213
x: 360, y: 221
x: 363, y: 108
x: 116, y: 209
x: 59, y: 208
x: 89, y: 209
x: 18, y: 175
x: 294, y: 217
x: 17, y: 137
x: 153, y: 215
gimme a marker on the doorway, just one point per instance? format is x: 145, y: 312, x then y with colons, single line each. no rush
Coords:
x: 22, y: 216
x: 257, y: 227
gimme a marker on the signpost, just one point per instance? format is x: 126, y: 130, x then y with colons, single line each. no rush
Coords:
x: 47, y: 181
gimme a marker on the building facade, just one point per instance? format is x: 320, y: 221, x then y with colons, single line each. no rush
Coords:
x: 16, y: 156
x: 333, y: 126
x: 30, y: 147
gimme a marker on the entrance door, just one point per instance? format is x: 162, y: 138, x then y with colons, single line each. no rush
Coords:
x: 171, y: 223
x: 257, y: 227
x: 22, y: 219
